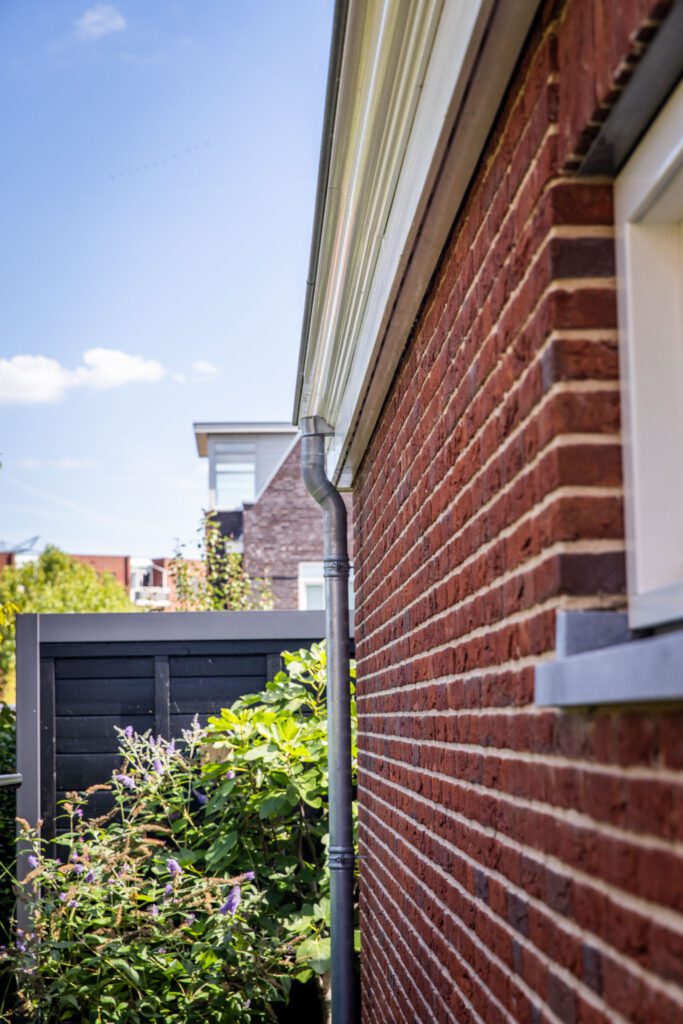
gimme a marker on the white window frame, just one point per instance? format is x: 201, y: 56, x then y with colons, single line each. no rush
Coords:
x: 649, y: 219
x: 309, y: 573
x: 222, y: 455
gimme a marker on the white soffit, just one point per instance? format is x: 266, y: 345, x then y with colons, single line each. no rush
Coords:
x: 421, y: 82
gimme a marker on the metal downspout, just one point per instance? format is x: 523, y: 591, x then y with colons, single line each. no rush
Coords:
x: 341, y: 852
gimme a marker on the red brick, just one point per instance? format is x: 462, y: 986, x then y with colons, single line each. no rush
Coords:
x: 512, y: 857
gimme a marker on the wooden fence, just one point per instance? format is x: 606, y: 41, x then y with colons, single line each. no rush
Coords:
x: 81, y: 676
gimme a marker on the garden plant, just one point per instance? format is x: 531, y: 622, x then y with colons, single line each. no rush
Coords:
x: 217, y: 580
x: 204, y: 893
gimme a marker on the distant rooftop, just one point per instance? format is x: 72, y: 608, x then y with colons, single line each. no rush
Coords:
x: 203, y: 430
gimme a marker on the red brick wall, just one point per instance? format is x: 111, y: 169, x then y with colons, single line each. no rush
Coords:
x: 284, y: 528
x: 117, y: 566
x: 518, y: 864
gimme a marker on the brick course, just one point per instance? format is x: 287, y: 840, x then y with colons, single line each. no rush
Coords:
x: 518, y: 863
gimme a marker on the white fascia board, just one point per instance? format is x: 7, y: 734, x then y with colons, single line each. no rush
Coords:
x: 420, y: 86
x: 202, y: 431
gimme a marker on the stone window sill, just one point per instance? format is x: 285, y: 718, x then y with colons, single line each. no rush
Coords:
x: 600, y: 662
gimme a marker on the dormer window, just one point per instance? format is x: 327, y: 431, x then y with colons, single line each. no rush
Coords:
x: 235, y: 475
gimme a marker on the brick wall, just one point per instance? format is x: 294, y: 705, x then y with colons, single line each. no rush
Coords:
x: 284, y: 528
x: 519, y: 864
x: 117, y: 566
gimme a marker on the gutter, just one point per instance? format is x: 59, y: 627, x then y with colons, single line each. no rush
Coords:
x: 341, y: 10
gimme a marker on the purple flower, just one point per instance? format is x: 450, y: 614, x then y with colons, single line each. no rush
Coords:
x: 191, y: 918
x: 230, y: 774
x: 168, y: 888
x: 129, y: 732
x: 233, y: 901
x: 174, y: 815
x: 21, y: 946
x: 125, y: 781
x: 158, y: 766
x: 201, y: 798
x: 249, y: 876
x: 79, y: 812
x: 154, y: 911
x: 72, y: 903
x: 78, y: 869
x: 90, y: 877
x: 171, y: 747
x: 174, y: 868
x: 74, y: 857
x: 32, y: 861
x: 62, y: 895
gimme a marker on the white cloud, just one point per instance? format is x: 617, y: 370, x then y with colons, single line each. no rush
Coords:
x: 99, y: 20
x: 204, y: 370
x: 64, y: 463
x: 109, y: 368
x: 30, y: 380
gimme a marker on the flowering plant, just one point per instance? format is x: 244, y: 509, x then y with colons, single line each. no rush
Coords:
x: 266, y: 776
x: 126, y: 926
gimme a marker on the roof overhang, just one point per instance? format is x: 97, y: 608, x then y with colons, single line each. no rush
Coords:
x: 202, y: 431
x: 413, y: 90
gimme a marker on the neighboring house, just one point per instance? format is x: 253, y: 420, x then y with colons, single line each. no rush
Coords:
x: 256, y: 491
x: 148, y: 581
x: 488, y: 363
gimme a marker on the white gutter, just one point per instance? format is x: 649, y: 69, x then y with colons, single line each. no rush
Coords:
x: 419, y: 87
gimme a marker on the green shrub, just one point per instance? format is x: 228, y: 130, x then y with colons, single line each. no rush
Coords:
x: 266, y: 774
x: 8, y: 765
x: 8, y: 805
x: 54, y: 583
x: 142, y: 920
x: 127, y: 927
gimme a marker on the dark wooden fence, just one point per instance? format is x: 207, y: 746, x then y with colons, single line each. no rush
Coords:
x: 81, y: 676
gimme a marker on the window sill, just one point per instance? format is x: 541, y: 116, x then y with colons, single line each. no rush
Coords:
x: 598, y: 664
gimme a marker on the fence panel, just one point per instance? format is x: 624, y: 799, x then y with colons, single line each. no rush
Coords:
x: 79, y: 677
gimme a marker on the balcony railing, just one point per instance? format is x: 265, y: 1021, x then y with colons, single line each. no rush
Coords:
x: 151, y: 597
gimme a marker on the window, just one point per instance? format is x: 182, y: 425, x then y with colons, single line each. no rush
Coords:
x: 234, y: 475
x: 649, y: 216
x: 311, y: 586
x: 234, y: 485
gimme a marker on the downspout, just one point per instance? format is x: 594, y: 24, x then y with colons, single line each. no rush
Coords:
x: 341, y: 853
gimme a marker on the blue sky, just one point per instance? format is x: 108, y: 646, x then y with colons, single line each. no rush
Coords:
x: 157, y: 182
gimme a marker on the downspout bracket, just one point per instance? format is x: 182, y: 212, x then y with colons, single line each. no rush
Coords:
x: 333, y: 567
x: 341, y: 858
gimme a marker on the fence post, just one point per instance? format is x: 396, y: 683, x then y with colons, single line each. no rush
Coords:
x: 28, y: 736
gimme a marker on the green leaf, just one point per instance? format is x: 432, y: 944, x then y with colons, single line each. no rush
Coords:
x: 222, y: 847
x: 272, y: 805
x: 127, y: 970
x: 260, y: 751
x: 315, y: 953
